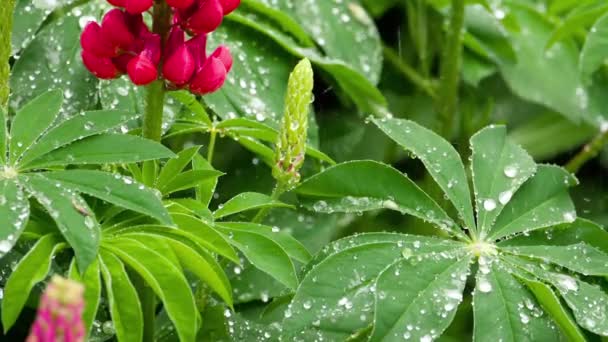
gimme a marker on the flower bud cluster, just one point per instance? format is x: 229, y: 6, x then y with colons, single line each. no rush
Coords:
x: 123, y: 44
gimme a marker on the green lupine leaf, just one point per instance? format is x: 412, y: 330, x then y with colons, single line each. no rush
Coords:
x: 3, y: 135
x: 115, y: 189
x: 247, y: 201
x: 32, y: 120
x: 199, y: 114
x: 440, y: 159
x: 14, y: 214
x: 188, y: 180
x: 198, y: 261
x: 125, y: 307
x: 563, y: 235
x: 206, y: 189
x: 32, y: 269
x: 175, y: 166
x: 552, y: 305
x: 589, y: 303
x: 368, y: 185
x: 165, y: 279
x: 342, y: 305
x: 210, y: 238
x: 76, y: 128
x: 541, y: 202
x: 419, y: 307
x: 580, y: 258
x: 595, y: 50
x: 92, y: 291
x: 291, y: 246
x: 499, y: 168
x: 578, y: 19
x: 157, y: 243
x: 505, y: 309
x: 104, y: 149
x: 266, y: 255
x: 75, y: 220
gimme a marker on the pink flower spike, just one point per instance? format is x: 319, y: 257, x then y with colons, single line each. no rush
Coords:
x: 180, y: 4
x: 59, y: 317
x: 152, y: 48
x: 229, y: 5
x: 223, y: 54
x: 179, y: 67
x: 175, y: 40
x: 101, y: 67
x: 141, y: 70
x: 93, y: 41
x: 114, y: 27
x: 198, y: 49
x: 138, y: 6
x: 207, y: 17
x: 210, y: 78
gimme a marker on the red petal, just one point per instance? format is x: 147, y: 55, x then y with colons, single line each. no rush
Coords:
x: 93, y: 41
x: 152, y: 48
x: 180, y: 4
x: 117, y: 3
x: 122, y: 61
x: 141, y: 70
x: 198, y: 49
x: 114, y: 28
x: 207, y: 17
x: 175, y: 40
x: 101, y: 67
x: 229, y: 5
x: 210, y: 78
x: 223, y: 54
x: 179, y: 67
x: 138, y: 6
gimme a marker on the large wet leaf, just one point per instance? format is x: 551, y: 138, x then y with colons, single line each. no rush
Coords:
x: 14, y: 214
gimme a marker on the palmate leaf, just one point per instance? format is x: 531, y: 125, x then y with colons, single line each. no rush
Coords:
x: 247, y: 201
x: 175, y: 166
x: 527, y: 240
x: 14, y: 214
x: 92, y: 291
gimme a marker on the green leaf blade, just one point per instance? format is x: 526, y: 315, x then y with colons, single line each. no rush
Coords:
x: 247, y: 201
x: 14, y: 214
x: 92, y: 291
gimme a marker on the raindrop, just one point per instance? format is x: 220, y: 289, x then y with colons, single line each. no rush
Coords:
x: 510, y: 171
x: 484, y: 286
x: 489, y: 204
x: 505, y: 196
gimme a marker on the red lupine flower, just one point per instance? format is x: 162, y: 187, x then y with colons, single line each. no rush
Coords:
x: 203, y: 17
x: 115, y: 28
x: 179, y: 63
x: 209, y: 78
x: 223, y: 54
x: 180, y: 4
x: 133, y: 6
x: 229, y: 5
x: 141, y: 70
x: 101, y: 67
x: 59, y: 317
x: 94, y: 41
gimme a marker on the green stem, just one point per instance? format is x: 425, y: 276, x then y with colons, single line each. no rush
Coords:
x: 153, y: 115
x: 279, y: 189
x: 211, y: 148
x: 450, y: 68
x: 410, y: 73
x: 6, y: 28
x: 590, y: 151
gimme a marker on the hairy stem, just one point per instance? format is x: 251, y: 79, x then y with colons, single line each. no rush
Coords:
x: 211, y: 147
x: 6, y: 27
x: 589, y: 151
x: 409, y: 72
x: 153, y: 115
x: 450, y: 68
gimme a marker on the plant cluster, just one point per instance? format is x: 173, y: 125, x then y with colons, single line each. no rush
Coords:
x: 335, y: 170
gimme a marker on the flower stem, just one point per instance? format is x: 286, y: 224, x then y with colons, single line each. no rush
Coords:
x: 211, y: 147
x: 6, y: 27
x: 590, y: 151
x: 153, y: 116
x: 279, y: 189
x: 450, y: 68
x: 409, y: 72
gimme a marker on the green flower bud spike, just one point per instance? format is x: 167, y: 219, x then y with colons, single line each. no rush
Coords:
x: 291, y: 145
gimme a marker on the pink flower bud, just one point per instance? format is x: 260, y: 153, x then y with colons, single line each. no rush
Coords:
x: 223, y: 54
x: 93, y: 41
x: 180, y: 4
x: 115, y: 28
x: 207, y: 17
x: 229, y: 5
x: 141, y: 70
x: 101, y: 67
x: 152, y: 48
x: 122, y: 61
x: 198, y: 48
x: 210, y: 78
x: 59, y: 317
x: 138, y: 6
x: 175, y: 40
x: 179, y: 67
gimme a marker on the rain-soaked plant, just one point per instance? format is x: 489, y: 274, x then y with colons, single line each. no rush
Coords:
x: 152, y: 189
